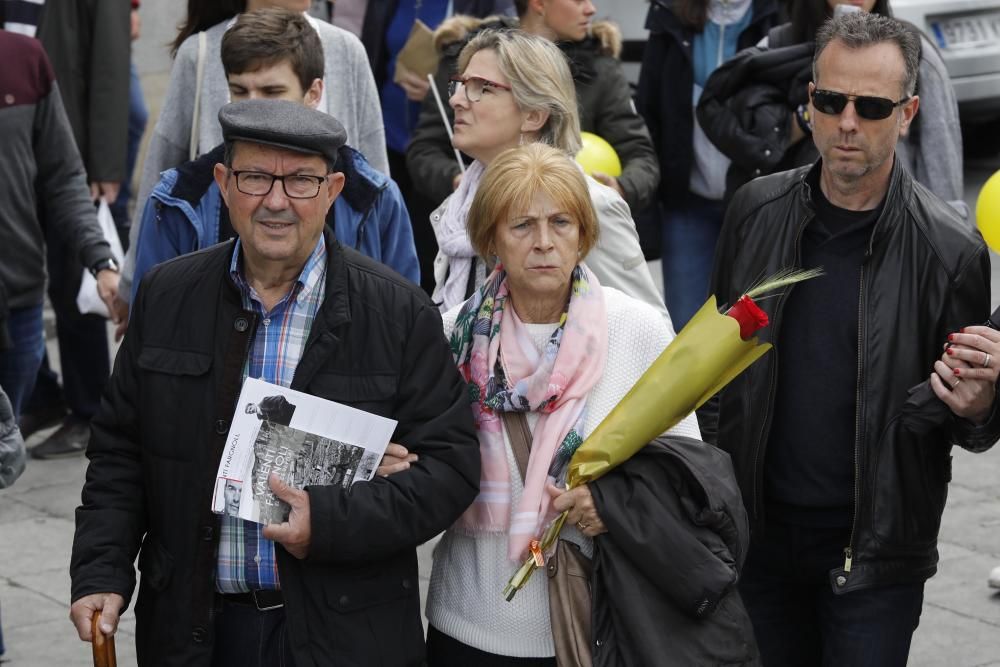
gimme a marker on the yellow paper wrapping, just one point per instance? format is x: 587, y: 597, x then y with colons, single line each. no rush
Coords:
x: 704, y: 357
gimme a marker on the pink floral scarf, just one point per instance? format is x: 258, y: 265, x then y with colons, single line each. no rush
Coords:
x: 504, y: 372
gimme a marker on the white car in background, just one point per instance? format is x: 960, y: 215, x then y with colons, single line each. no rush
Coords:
x: 967, y: 33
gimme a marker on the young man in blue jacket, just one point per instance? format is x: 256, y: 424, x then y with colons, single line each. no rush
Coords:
x: 273, y: 54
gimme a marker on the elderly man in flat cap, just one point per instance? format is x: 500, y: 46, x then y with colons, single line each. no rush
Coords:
x: 336, y: 584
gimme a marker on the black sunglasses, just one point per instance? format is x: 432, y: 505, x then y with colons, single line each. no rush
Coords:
x: 870, y: 108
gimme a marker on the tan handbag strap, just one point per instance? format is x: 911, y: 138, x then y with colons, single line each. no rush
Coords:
x: 520, y: 439
x: 567, y: 568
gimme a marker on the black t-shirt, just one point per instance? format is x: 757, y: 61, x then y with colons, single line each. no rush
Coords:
x: 810, y: 451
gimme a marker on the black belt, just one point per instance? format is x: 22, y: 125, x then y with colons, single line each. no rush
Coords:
x: 263, y: 600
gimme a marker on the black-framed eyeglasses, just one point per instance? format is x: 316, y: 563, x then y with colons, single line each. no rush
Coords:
x: 869, y: 108
x: 297, y: 186
x: 473, y: 86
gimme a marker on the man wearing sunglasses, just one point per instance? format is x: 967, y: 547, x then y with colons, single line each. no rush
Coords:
x: 845, y: 503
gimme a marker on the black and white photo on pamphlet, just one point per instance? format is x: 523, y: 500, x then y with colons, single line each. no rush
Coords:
x: 304, y: 439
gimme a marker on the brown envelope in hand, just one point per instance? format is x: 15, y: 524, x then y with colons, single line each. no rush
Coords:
x: 418, y: 54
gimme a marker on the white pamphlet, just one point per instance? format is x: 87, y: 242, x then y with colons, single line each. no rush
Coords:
x: 304, y: 439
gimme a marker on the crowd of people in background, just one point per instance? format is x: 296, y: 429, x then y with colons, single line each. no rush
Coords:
x: 311, y: 212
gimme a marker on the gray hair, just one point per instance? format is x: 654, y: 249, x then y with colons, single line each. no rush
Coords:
x: 858, y: 30
x: 540, y: 80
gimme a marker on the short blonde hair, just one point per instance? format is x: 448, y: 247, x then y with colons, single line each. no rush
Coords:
x: 514, y: 178
x: 540, y: 80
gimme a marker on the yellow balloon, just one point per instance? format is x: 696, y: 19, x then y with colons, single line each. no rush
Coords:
x: 988, y: 212
x: 598, y: 155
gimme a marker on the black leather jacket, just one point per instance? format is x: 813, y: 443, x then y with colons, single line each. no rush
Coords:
x: 677, y: 538
x: 746, y: 107
x: 925, y: 274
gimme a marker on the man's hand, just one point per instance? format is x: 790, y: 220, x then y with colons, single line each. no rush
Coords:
x: 296, y: 533
x: 109, y: 605
x: 396, y: 459
x: 107, y: 190
x: 107, y: 289
x: 582, y: 512
x: 966, y: 375
x: 119, y: 315
x: 414, y: 85
x: 609, y: 181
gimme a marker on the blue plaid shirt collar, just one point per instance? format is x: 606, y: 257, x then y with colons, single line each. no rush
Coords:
x: 309, y: 279
x: 246, y: 560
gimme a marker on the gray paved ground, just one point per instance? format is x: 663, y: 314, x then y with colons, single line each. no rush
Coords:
x: 960, y: 626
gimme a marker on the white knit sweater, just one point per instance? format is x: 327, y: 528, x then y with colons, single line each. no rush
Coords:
x: 469, y: 573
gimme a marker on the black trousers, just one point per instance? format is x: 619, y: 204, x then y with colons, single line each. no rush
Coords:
x: 445, y: 651
x: 83, y: 342
x: 800, y: 621
x: 247, y: 637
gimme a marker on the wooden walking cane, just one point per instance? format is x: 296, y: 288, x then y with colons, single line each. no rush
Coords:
x: 104, y: 645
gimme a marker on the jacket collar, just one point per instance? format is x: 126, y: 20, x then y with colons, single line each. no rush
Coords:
x: 362, y: 183
x: 899, y: 192
x: 333, y: 313
x: 195, y: 177
x: 336, y: 307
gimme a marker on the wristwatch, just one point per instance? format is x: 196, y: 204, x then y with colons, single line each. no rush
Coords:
x: 100, y: 265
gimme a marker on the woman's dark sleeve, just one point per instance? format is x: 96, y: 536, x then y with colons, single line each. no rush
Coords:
x: 430, y: 157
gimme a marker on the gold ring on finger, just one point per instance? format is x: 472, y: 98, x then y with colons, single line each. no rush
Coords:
x: 957, y: 382
x: 986, y: 360
x: 581, y: 525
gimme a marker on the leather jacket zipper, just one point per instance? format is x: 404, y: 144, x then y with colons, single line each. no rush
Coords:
x: 848, y: 550
x: 858, y: 412
x: 775, y: 328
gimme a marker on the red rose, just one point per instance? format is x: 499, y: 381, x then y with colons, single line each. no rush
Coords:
x: 749, y: 315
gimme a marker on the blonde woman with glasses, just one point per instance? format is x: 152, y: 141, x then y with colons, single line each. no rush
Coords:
x: 512, y: 89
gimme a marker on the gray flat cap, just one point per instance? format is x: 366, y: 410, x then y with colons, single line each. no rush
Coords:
x: 283, y: 124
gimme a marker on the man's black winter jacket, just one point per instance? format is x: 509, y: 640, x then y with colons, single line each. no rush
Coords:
x: 376, y: 344
x: 925, y: 274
